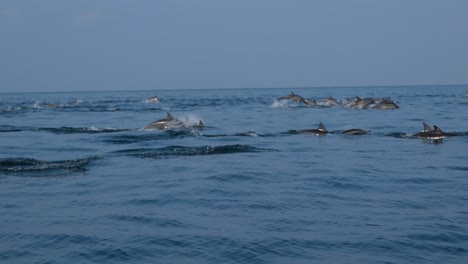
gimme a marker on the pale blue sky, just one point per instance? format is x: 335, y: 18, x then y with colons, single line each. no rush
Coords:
x: 124, y: 45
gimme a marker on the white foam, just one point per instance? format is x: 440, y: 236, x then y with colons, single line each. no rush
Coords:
x: 191, y: 119
x: 280, y: 104
x: 37, y: 105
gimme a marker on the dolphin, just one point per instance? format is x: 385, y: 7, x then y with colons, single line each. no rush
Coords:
x: 311, y: 103
x: 50, y: 105
x: 166, y: 123
x: 297, y: 98
x: 293, y: 97
x: 355, y: 131
x: 330, y: 101
x: 435, y: 133
x: 152, y: 99
x: 321, y: 131
x: 385, y: 104
x: 199, y: 125
x: 363, y: 103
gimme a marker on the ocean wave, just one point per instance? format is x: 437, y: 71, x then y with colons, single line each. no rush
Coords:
x: 61, y: 130
x: 152, y: 221
x: 5, y: 128
x: 30, y: 167
x: 160, y: 135
x: 189, y: 151
x: 80, y: 130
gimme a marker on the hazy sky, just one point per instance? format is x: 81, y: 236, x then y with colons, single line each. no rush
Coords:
x: 136, y: 44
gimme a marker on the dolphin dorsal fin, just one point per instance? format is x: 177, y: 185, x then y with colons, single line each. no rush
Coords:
x: 437, y: 129
x: 427, y: 128
x: 169, y: 116
x: 293, y: 93
x: 200, y: 124
x: 322, y: 127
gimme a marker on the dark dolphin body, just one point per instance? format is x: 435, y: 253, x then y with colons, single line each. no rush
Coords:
x: 297, y: 98
x: 166, y: 123
x: 330, y: 101
x: 435, y: 133
x: 320, y: 131
x: 293, y: 97
x: 363, y: 103
x: 385, y: 104
x: 171, y: 123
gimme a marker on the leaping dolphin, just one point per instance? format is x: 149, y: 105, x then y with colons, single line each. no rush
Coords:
x: 385, y: 104
x: 293, y: 97
x: 166, y: 123
x: 152, y: 99
x: 330, y: 101
x: 171, y: 122
x: 297, y: 98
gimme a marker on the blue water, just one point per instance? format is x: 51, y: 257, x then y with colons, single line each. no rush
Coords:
x: 81, y: 182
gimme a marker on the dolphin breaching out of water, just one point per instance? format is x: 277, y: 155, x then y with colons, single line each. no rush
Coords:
x: 170, y: 122
x: 429, y: 133
x: 297, y: 98
x: 330, y: 101
x: 152, y: 99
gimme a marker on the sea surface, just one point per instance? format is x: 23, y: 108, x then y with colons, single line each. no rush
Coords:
x: 81, y: 181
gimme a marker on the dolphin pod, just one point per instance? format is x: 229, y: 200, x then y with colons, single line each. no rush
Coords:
x: 170, y: 122
x: 435, y: 133
x: 321, y: 131
x: 356, y: 103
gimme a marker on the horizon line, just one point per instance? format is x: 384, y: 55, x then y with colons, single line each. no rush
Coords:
x: 248, y: 88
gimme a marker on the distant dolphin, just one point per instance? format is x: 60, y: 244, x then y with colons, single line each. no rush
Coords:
x: 363, y: 103
x: 166, y: 123
x: 330, y: 101
x: 435, y: 133
x: 152, y: 99
x: 297, y: 98
x: 321, y: 131
x: 310, y: 102
x: 293, y: 97
x: 50, y: 105
x: 171, y: 122
x: 385, y: 104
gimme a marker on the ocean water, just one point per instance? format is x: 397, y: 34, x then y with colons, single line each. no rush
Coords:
x: 82, y: 182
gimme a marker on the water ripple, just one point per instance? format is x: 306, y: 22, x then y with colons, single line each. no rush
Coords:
x: 32, y: 167
x: 189, y: 151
